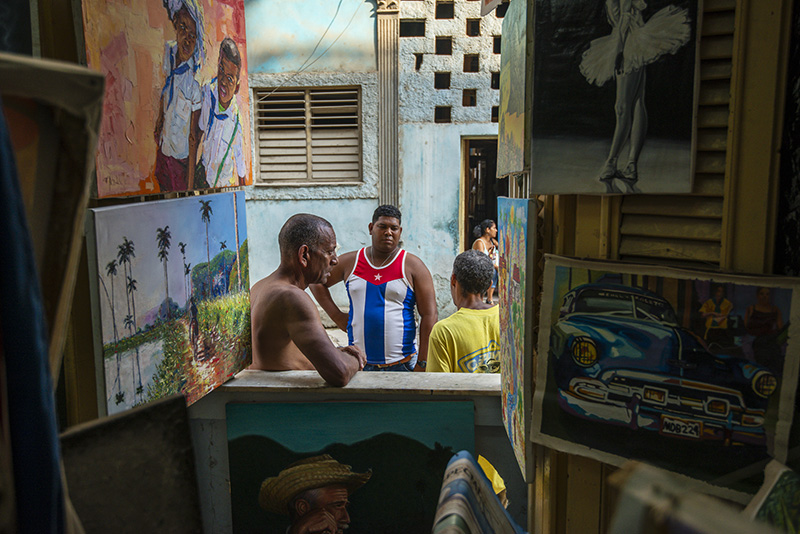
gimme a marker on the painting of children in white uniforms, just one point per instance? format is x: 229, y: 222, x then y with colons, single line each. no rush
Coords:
x: 614, y: 96
x: 176, y: 114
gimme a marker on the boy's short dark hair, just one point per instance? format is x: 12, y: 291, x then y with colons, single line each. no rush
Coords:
x: 473, y: 271
x: 230, y: 51
x: 387, y: 210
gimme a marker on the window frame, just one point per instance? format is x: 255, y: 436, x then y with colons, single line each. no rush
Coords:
x: 308, y: 128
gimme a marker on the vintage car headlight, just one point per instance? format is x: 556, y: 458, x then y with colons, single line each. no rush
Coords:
x: 584, y: 351
x: 764, y: 383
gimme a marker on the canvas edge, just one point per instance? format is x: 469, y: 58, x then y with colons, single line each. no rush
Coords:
x: 96, y: 312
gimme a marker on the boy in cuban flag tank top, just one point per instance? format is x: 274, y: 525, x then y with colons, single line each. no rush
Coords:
x: 384, y: 284
x: 381, y: 317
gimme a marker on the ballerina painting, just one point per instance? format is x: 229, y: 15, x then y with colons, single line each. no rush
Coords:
x: 623, y: 55
x: 614, y: 96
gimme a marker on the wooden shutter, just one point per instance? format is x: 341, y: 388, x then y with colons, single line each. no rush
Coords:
x: 687, y: 229
x: 309, y: 135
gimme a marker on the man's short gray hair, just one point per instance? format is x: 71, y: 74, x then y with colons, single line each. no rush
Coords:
x: 302, y: 229
x: 474, y: 271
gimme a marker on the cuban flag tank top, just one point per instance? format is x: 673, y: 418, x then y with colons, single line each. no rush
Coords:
x: 381, y: 320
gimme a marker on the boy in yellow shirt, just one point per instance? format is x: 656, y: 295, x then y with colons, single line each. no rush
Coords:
x: 467, y: 341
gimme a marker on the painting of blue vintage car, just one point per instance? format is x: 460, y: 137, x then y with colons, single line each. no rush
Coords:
x: 620, y: 356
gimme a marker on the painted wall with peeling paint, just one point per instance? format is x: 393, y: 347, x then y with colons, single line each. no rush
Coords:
x: 429, y: 191
x: 349, y: 217
x: 282, y: 36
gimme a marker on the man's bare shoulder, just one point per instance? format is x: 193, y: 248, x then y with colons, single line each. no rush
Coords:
x: 271, y: 292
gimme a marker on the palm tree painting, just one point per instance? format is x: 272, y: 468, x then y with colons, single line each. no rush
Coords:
x: 182, y: 247
x: 205, y: 215
x: 222, y: 247
x: 150, y: 352
x: 163, y: 237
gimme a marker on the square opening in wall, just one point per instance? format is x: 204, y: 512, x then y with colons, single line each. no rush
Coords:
x: 495, y: 113
x: 418, y: 61
x: 469, y: 98
x: 444, y: 45
x: 441, y: 80
x: 495, y: 80
x: 412, y: 28
x: 500, y: 12
x: 472, y: 63
x: 496, y: 47
x: 441, y: 114
x: 445, y: 9
x: 473, y: 27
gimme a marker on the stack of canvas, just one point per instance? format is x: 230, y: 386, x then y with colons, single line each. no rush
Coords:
x: 468, y: 504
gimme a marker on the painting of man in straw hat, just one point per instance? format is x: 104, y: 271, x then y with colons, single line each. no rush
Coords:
x: 314, y: 494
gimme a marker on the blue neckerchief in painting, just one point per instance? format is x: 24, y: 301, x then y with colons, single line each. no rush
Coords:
x: 173, y: 71
x: 212, y: 113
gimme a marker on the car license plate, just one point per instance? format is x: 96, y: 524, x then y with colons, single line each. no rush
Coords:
x: 681, y: 427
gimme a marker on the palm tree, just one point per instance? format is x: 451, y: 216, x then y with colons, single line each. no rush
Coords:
x: 236, y: 230
x: 182, y: 246
x: 111, y: 272
x: 222, y: 247
x: 128, y: 321
x: 129, y: 324
x: 163, y: 237
x: 123, y: 255
x: 187, y: 271
x: 132, y: 290
x: 205, y: 216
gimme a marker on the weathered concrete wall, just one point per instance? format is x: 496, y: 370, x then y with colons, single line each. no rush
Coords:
x: 431, y: 162
x: 418, y: 97
x: 431, y: 169
x: 265, y: 218
x: 282, y: 35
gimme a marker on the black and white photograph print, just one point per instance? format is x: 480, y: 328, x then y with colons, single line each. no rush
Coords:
x: 614, y: 96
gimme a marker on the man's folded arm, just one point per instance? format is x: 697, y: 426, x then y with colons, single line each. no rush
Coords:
x: 335, y: 366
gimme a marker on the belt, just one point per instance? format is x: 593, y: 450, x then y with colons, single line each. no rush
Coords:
x: 384, y: 365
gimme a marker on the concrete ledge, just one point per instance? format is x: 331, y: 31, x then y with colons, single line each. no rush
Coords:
x: 446, y: 384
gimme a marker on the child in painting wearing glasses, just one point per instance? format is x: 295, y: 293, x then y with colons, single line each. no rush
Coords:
x: 179, y: 105
x: 222, y: 162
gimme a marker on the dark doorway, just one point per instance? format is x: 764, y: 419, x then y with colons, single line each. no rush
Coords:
x: 481, y: 185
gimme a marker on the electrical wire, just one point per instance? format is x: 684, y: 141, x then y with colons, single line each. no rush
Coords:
x: 305, y: 67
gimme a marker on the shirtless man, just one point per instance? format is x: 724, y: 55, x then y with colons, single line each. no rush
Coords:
x: 286, y: 328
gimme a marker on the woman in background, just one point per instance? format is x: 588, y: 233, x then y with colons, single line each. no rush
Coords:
x: 486, y: 242
x: 623, y: 55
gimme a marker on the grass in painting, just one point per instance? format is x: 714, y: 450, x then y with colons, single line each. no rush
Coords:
x: 193, y: 366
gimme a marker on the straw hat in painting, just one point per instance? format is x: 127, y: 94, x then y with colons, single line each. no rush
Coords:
x: 315, y: 472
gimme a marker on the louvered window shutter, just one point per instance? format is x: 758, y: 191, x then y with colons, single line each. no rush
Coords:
x: 309, y: 135
x: 687, y: 229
